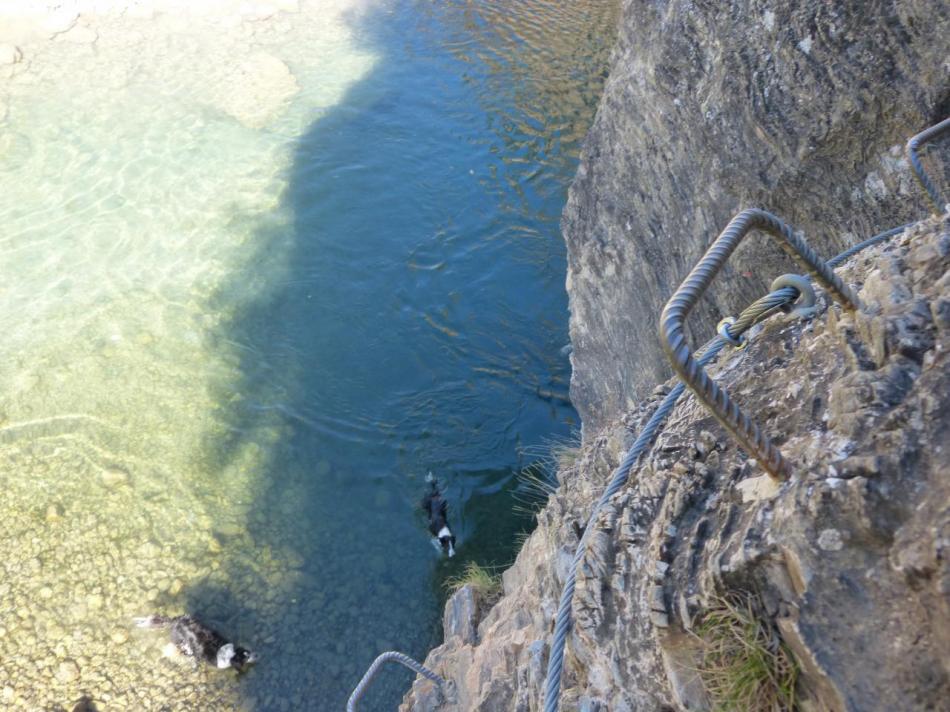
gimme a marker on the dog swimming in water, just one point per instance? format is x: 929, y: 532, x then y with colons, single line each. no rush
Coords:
x: 437, y: 509
x: 199, y: 642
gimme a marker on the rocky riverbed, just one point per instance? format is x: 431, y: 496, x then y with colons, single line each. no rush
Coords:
x: 97, y: 546
x: 119, y: 227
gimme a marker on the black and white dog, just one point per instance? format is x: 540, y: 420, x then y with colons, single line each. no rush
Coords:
x: 196, y: 640
x: 437, y: 509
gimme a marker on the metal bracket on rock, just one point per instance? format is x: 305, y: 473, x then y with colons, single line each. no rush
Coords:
x: 677, y: 348
x: 916, y: 143
x: 390, y: 656
x: 804, y: 306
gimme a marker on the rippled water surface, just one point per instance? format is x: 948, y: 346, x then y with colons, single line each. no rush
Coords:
x: 260, y: 273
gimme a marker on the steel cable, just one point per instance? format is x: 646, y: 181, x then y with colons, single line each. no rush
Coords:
x: 925, y: 180
x: 730, y: 333
x: 759, y: 310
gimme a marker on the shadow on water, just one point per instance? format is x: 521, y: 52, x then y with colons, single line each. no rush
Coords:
x: 407, y: 314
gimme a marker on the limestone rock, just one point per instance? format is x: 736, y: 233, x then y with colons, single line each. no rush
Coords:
x: 754, y: 489
x: 68, y: 671
x: 849, y: 557
x: 460, y: 616
x: 799, y: 108
x: 256, y: 89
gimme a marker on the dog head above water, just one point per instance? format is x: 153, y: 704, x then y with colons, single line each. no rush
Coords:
x: 438, y: 510
x: 235, y: 656
x: 447, y: 540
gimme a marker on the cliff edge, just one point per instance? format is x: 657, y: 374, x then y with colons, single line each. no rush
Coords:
x: 801, y: 109
x: 848, y: 562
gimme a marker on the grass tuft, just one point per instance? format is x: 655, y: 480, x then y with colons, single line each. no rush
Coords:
x: 745, y: 665
x: 521, y: 538
x: 538, y: 480
x: 486, y: 584
x: 567, y: 453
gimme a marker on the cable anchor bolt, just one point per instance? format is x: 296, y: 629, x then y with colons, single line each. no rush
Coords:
x: 722, y: 328
x: 804, y: 306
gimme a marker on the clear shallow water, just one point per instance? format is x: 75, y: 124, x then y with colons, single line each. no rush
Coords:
x: 243, y: 318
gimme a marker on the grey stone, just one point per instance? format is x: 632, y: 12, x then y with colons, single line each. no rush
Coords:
x: 460, y: 616
x: 113, y: 477
x: 849, y: 557
x: 709, y: 109
x: 67, y: 671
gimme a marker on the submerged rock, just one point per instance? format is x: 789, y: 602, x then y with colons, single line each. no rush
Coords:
x: 256, y: 89
x: 85, y: 704
x: 16, y: 150
x: 67, y: 671
x: 113, y: 477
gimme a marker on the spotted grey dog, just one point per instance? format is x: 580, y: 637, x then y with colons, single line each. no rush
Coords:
x: 199, y: 642
x: 438, y: 510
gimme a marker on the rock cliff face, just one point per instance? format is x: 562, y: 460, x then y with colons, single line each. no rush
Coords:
x: 849, y: 560
x: 802, y: 109
x: 710, y: 107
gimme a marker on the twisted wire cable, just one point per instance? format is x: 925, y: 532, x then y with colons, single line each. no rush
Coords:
x: 840, y: 259
x: 758, y: 311
x: 751, y: 315
x: 913, y: 145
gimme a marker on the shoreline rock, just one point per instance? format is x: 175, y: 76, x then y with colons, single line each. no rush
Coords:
x: 847, y: 558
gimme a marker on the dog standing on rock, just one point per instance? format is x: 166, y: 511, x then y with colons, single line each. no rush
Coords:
x: 437, y: 509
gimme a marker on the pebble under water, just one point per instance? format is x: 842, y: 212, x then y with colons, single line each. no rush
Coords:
x: 261, y: 273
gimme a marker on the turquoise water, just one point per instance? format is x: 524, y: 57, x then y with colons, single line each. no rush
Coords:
x: 243, y: 320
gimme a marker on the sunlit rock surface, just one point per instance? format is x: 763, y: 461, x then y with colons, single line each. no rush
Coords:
x: 801, y: 109
x: 849, y: 557
x: 798, y: 108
